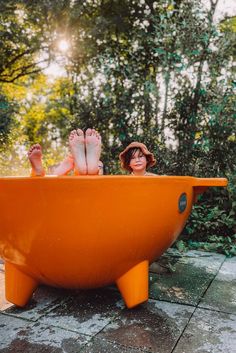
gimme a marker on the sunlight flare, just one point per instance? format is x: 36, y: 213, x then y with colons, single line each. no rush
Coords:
x: 63, y: 45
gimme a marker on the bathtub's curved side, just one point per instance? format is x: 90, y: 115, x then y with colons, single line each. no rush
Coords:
x: 100, y: 220
x: 89, y: 231
x: 83, y: 233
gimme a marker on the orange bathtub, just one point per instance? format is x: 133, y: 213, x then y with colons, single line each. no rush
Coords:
x: 88, y: 232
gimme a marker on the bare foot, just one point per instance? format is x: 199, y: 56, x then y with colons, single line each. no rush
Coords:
x: 93, y: 150
x: 64, y: 167
x: 35, y: 158
x: 77, y: 146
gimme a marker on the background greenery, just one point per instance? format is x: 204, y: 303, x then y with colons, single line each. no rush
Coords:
x: 160, y: 72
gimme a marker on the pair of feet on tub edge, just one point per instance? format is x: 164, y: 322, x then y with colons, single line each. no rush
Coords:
x: 84, y: 158
x: 133, y: 285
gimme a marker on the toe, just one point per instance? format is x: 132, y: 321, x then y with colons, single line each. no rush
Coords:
x: 80, y: 132
x: 88, y: 132
x: 72, y: 134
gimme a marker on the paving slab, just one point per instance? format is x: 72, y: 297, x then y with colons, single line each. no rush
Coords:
x: 209, y: 331
x: 9, y: 329
x: 208, y: 260
x: 44, y: 300
x: 153, y: 327
x: 86, y: 312
x: 104, y: 346
x: 192, y: 310
x: 18, y: 335
x: 188, y: 278
x: 221, y: 295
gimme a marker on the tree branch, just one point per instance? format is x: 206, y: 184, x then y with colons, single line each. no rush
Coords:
x: 20, y: 72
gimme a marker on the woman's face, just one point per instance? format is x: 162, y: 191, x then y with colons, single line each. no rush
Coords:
x: 138, y: 162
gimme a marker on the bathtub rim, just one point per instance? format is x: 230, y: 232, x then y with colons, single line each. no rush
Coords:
x: 196, y: 181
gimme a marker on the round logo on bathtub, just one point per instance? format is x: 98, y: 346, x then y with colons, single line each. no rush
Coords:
x: 182, y: 202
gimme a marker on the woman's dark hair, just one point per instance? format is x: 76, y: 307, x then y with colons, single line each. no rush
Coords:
x: 129, y: 154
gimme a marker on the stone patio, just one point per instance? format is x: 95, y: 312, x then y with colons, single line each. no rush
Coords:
x: 191, y: 309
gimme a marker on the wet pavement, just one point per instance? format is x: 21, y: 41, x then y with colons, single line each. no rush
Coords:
x: 191, y: 309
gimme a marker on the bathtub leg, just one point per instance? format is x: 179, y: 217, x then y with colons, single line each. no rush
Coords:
x: 133, y: 285
x: 19, y: 286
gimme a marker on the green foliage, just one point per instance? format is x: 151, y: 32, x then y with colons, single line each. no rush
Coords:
x: 206, y: 219
x: 220, y: 244
x: 20, y: 40
x: 228, y: 25
x: 7, y: 119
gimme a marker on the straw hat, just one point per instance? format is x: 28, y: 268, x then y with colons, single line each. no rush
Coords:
x: 150, y: 157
